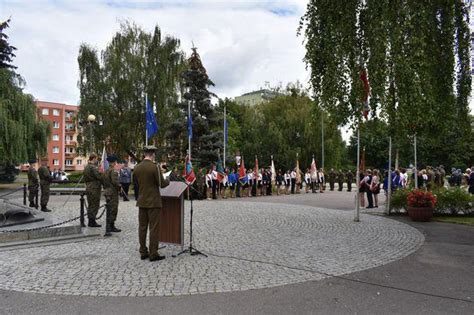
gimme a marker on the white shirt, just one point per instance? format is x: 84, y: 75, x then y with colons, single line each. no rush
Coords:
x: 293, y: 174
x: 287, y: 177
x: 307, y: 177
x: 214, y: 175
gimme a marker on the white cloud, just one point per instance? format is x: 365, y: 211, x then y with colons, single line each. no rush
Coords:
x: 242, y: 43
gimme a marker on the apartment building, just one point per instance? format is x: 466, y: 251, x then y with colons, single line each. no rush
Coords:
x: 62, y: 146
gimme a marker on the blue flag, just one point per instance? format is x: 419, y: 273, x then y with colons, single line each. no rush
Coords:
x: 190, y: 126
x: 151, y: 125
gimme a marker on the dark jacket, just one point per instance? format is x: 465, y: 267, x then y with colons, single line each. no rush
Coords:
x: 44, y: 175
x: 150, y: 180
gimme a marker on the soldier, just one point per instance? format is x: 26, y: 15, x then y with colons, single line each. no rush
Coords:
x: 340, y: 179
x: 350, y: 178
x: 45, y: 182
x: 111, y: 193
x: 94, y: 182
x: 332, y: 179
x: 150, y: 180
x: 33, y: 184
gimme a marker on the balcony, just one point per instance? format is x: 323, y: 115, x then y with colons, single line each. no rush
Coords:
x: 70, y: 155
x: 71, y: 143
x: 70, y: 130
x: 69, y: 168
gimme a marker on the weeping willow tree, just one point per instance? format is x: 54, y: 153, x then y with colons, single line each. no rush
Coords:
x: 416, y: 54
x: 113, y: 86
x: 22, y: 135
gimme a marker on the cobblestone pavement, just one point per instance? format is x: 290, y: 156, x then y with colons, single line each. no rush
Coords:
x: 251, y: 245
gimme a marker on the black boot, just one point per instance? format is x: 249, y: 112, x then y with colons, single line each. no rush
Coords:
x: 93, y: 223
x: 45, y: 209
x: 114, y: 229
x: 32, y: 205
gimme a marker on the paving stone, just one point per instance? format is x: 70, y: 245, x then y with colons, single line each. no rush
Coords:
x: 251, y: 245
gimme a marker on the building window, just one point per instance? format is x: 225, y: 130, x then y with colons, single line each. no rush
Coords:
x: 45, y: 112
x: 69, y: 115
x: 69, y: 162
x: 69, y: 138
x: 56, y: 162
x: 69, y: 150
x: 55, y: 137
x: 69, y: 126
x: 55, y: 112
x: 79, y: 162
x: 55, y: 125
x: 55, y: 149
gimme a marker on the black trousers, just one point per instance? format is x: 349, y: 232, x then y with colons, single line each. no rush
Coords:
x: 349, y: 186
x: 215, y: 185
x: 331, y: 185
x: 370, y: 199
x: 293, y: 185
x: 237, y: 192
x: 125, y: 188
x: 341, y: 184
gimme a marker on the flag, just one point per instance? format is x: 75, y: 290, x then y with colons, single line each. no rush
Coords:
x: 190, y: 126
x: 242, y: 174
x: 189, y: 175
x: 362, y: 161
x: 298, y: 172
x: 365, y: 96
x: 314, y: 169
x: 104, y: 165
x: 273, y: 172
x: 151, y: 125
x: 220, y: 170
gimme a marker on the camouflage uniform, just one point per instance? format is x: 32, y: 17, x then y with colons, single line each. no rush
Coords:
x: 94, y: 181
x: 332, y: 179
x: 33, y: 185
x: 350, y: 178
x: 45, y: 182
x: 111, y: 192
x: 340, y: 179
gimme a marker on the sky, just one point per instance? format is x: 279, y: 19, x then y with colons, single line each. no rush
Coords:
x: 243, y: 44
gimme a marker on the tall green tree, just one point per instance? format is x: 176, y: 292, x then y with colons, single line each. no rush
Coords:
x: 206, y: 123
x: 23, y: 135
x: 113, y: 87
x: 416, y: 54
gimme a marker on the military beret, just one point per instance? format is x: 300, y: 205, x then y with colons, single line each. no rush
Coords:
x: 32, y: 161
x: 150, y: 148
x: 111, y: 159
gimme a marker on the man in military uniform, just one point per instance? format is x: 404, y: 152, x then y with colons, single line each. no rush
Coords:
x: 94, y: 181
x: 111, y: 193
x: 332, y: 179
x: 150, y: 180
x: 350, y: 178
x: 45, y: 181
x: 340, y: 180
x: 33, y: 184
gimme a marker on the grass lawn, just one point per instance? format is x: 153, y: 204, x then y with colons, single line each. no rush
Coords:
x: 456, y: 219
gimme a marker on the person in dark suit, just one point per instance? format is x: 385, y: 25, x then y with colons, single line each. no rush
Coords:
x: 150, y: 179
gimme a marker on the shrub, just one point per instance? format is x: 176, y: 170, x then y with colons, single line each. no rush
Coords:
x: 421, y: 198
x: 73, y: 177
x: 453, y: 201
x: 398, y: 200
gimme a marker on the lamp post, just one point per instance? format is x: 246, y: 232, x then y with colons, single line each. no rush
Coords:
x: 90, y: 119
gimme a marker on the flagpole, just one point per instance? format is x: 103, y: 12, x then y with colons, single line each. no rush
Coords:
x: 224, y: 132
x: 357, y: 208
x: 189, y: 135
x: 322, y: 140
x: 389, y: 180
x: 146, y: 130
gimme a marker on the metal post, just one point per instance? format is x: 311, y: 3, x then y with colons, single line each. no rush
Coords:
x: 24, y: 194
x: 225, y: 127
x: 108, y: 218
x: 416, y: 167
x: 322, y: 140
x: 389, y: 181
x: 82, y: 202
x: 146, y: 129
x: 357, y: 208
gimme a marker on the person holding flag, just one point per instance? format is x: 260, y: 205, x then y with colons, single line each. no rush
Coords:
x: 242, y: 178
x: 314, y: 176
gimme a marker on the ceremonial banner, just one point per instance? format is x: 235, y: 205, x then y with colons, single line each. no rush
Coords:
x: 189, y: 175
x: 151, y: 124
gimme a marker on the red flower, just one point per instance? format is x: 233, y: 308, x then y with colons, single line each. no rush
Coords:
x: 420, y: 198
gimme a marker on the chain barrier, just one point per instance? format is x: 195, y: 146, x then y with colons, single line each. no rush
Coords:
x: 11, y: 192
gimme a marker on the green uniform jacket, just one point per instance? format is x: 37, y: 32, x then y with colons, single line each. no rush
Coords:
x: 111, y: 182
x: 92, y: 177
x: 149, y: 180
x: 44, y: 175
x: 32, y: 176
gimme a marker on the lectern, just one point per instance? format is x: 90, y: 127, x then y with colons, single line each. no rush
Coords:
x: 172, y: 213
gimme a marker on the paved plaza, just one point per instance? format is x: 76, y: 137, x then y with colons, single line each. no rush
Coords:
x: 251, y: 245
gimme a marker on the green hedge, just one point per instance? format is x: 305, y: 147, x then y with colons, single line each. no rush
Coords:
x: 74, y: 176
x: 449, y: 201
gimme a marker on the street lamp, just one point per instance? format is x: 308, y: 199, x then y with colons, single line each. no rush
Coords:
x: 90, y: 119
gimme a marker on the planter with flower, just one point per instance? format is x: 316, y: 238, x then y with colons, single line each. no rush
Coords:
x: 420, y: 205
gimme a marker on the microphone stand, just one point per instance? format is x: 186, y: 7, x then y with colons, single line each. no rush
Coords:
x: 191, y: 249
